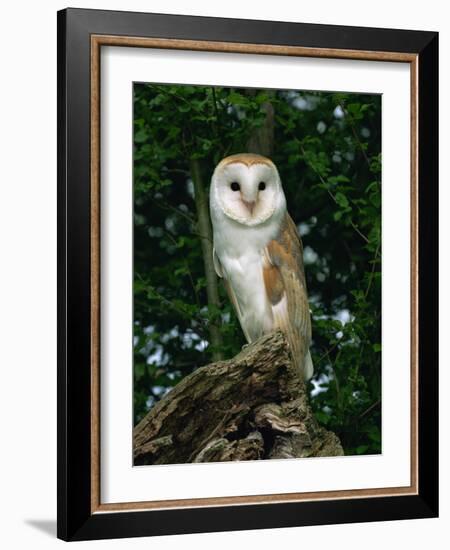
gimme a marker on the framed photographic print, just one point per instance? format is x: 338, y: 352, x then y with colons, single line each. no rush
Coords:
x: 247, y: 274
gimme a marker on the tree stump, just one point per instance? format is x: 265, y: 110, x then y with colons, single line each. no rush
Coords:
x: 252, y: 407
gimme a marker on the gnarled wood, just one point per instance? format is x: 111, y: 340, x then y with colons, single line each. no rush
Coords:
x: 254, y: 406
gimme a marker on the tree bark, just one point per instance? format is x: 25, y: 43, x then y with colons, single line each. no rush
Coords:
x: 254, y: 406
x: 205, y: 233
x: 261, y: 140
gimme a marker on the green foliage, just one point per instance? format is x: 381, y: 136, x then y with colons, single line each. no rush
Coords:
x: 327, y: 150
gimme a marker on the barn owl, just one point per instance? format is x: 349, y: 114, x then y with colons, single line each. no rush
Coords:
x: 258, y: 253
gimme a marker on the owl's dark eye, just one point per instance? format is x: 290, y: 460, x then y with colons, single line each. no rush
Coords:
x: 262, y: 185
x: 235, y: 186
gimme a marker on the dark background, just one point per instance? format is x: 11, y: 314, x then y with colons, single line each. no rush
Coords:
x: 327, y: 148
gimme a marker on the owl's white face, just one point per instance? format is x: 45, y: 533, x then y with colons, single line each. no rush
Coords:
x: 246, y: 190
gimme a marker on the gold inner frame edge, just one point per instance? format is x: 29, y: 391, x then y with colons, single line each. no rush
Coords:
x: 263, y: 49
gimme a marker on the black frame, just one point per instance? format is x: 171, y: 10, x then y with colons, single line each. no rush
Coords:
x: 75, y: 521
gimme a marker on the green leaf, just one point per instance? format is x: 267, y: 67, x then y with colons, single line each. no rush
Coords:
x: 140, y: 136
x: 341, y: 199
x: 236, y: 98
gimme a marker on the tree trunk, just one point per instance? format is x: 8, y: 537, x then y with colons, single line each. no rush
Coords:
x: 254, y: 406
x: 261, y: 141
x: 205, y: 233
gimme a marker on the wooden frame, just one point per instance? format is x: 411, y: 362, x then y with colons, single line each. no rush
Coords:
x: 81, y: 34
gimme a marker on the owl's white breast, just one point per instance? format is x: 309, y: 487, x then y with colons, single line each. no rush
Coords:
x: 240, y: 250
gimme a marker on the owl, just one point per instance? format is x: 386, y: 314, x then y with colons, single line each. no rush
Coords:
x: 258, y: 253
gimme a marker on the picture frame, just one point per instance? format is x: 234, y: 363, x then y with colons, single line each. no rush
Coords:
x: 81, y: 36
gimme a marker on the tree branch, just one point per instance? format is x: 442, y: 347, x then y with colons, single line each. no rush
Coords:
x: 205, y: 233
x: 254, y: 406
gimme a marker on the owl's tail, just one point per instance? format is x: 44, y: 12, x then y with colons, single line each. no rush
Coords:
x: 309, y: 367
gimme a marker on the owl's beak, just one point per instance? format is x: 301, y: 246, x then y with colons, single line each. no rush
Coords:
x: 250, y: 205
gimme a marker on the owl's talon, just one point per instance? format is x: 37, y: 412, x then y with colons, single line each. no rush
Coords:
x: 244, y: 346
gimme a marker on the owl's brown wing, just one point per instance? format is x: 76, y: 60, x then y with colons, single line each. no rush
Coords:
x: 284, y: 280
